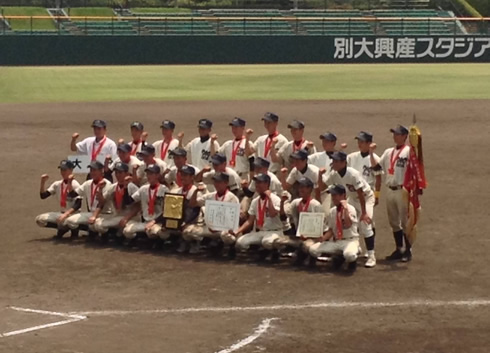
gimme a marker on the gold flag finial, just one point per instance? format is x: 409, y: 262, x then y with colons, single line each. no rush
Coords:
x: 414, y: 119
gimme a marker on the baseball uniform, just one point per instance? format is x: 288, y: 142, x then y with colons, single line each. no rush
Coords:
x: 199, y: 151
x: 163, y: 148
x: 234, y: 182
x: 97, y: 150
x: 234, y: 150
x: 263, y: 145
x: 292, y: 146
x: 141, y: 170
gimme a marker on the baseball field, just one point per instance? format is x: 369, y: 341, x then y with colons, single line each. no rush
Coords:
x: 73, y: 296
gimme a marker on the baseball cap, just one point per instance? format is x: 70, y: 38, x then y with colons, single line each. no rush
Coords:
x: 137, y: 125
x: 364, y: 136
x: 205, y: 124
x: 98, y: 123
x: 296, y: 124
x: 262, y: 178
x: 329, y: 136
x: 153, y: 168
x: 261, y: 162
x: 218, y: 158
x: 221, y: 177
x: 300, y: 154
x: 187, y: 169
x: 400, y: 130
x: 270, y: 117
x: 336, y: 190
x: 178, y: 152
x: 147, y: 150
x: 237, y: 122
x: 339, y: 156
x: 96, y: 165
x: 124, y: 147
x: 168, y: 124
x: 65, y: 164
x: 121, y: 167
x: 305, y: 182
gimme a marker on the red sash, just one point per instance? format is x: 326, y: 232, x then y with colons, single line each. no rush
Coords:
x: 63, y: 194
x: 393, y: 158
x: 93, y: 192
x: 164, y: 149
x: 101, y: 144
x: 234, y: 151
x: 339, y: 224
x: 119, y: 194
x: 217, y: 198
x: 268, y: 144
x: 134, y: 147
x: 261, y: 209
x: 303, y: 206
x: 152, y: 196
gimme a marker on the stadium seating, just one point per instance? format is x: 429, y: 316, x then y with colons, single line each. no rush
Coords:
x: 413, y: 26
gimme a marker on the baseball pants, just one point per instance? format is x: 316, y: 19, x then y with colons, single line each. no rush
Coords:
x: 346, y: 247
x: 134, y: 227
x: 80, y: 219
x: 50, y: 218
x: 397, y: 207
x: 264, y: 238
x: 366, y: 230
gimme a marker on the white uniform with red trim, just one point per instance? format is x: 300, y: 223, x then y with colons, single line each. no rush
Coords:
x: 162, y: 151
x: 234, y: 150
x: 98, y: 150
x: 262, y: 147
x: 290, y: 147
x: 362, y: 163
x: 199, y: 153
x: 141, y: 170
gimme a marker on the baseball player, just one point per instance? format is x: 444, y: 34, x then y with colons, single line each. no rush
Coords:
x: 239, y: 150
x: 323, y: 159
x: 147, y: 156
x: 272, y: 140
x: 393, y: 163
x: 88, y: 191
x: 138, y: 137
x: 360, y: 196
x: 219, y: 166
x: 301, y: 168
x: 149, y: 201
x: 124, y: 155
x: 98, y: 146
x: 173, y: 179
x: 264, y: 213
x: 361, y: 161
x: 119, y: 196
x: 200, y: 149
x: 297, y: 129
x: 59, y: 188
x: 167, y: 144
x: 342, y: 237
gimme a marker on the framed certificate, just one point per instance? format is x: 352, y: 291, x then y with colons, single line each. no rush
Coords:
x: 222, y: 215
x: 311, y: 224
x: 173, y: 210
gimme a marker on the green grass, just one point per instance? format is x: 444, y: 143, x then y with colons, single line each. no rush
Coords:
x: 160, y: 10
x: 245, y: 82
x: 91, y: 11
x: 47, y: 24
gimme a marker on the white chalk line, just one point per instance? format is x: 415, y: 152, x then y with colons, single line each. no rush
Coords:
x: 325, y: 305
x: 70, y: 318
x: 259, y: 331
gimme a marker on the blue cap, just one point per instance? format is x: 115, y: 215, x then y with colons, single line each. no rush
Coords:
x: 147, y: 150
x: 121, y: 167
x: 98, y: 123
x: 364, y: 136
x: 262, y: 178
x: 300, y: 154
x: 337, y: 190
x: 205, y: 124
x: 328, y: 136
x: 296, y: 124
x: 270, y: 117
x: 178, y: 151
x: 96, y: 165
x: 153, y: 168
x: 137, y: 125
x: 305, y: 182
x: 261, y: 162
x: 168, y: 124
x: 124, y: 147
x: 65, y: 164
x: 238, y: 122
x: 400, y: 130
x: 221, y: 177
x: 218, y: 158
x: 339, y: 156
x: 187, y: 169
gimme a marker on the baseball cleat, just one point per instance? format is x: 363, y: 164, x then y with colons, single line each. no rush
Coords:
x: 370, y: 262
x: 407, y: 256
x: 395, y: 255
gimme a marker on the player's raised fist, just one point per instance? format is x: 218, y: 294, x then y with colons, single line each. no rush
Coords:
x: 322, y: 171
x: 108, y: 158
x: 44, y: 177
x: 206, y: 169
x: 120, y: 141
x: 214, y: 137
x: 75, y: 135
x: 101, y: 183
x: 372, y: 147
x: 71, y: 177
x: 244, y: 184
x: 128, y: 179
x: 201, y: 187
x: 144, y: 136
x: 343, y: 145
x: 267, y: 193
x: 274, y: 141
x: 284, y: 171
x: 310, y: 144
x: 180, y: 136
x: 136, y: 167
x: 249, y: 132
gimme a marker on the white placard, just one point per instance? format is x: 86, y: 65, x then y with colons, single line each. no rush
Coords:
x: 311, y: 224
x: 81, y: 162
x: 222, y: 215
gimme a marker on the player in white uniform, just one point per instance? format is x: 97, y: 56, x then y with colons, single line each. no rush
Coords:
x: 200, y: 149
x: 301, y: 168
x: 57, y: 220
x: 119, y: 197
x: 147, y: 155
x: 282, y: 156
x: 361, y: 161
x: 98, y: 146
x: 124, y: 155
x: 239, y: 150
x: 88, y: 191
x: 138, y: 137
x: 323, y: 159
x: 172, y: 175
x: 393, y: 163
x: 167, y: 144
x: 219, y: 166
x: 359, y: 194
x: 342, y: 237
x: 273, y: 140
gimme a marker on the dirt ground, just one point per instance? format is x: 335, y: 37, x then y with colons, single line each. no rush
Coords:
x: 425, y: 314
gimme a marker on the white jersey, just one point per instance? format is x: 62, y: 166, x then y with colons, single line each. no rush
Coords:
x: 88, y: 190
x: 363, y: 165
x: 162, y: 151
x: 234, y: 183
x: 270, y: 223
x: 260, y: 145
x: 286, y: 150
x: 227, y: 197
x: 143, y: 196
x: 89, y: 146
x: 136, y: 147
x: 241, y: 161
x: 352, y: 181
x: 397, y: 176
x: 275, y: 187
x: 55, y: 189
x: 133, y: 161
x: 141, y: 170
x: 311, y: 173
x: 321, y: 160
x: 109, y: 196
x: 313, y: 207
x: 171, y: 176
x: 199, y: 153
x: 347, y: 233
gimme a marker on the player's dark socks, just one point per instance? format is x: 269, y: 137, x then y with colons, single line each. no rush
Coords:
x: 74, y: 233
x: 398, y: 239
x: 119, y: 240
x: 92, y: 235
x: 300, y: 258
x: 275, y: 256
x: 158, y: 244
x: 337, y: 262
x: 370, y: 243
x: 312, y: 262
x: 263, y: 253
x: 60, y: 233
x: 232, y: 252
x: 407, y: 256
x: 104, y: 238
x: 352, y: 266
x: 395, y: 255
x: 52, y: 225
x: 408, y: 246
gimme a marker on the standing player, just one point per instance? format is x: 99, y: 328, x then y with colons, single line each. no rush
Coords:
x: 167, y: 144
x: 200, y: 149
x: 297, y: 129
x: 324, y: 159
x: 301, y: 169
x: 239, y: 150
x: 60, y: 189
x: 147, y: 155
x: 98, y: 146
x: 138, y: 137
x: 272, y: 140
x: 393, y: 163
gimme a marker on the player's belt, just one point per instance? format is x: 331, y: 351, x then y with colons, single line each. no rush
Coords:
x: 398, y: 187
